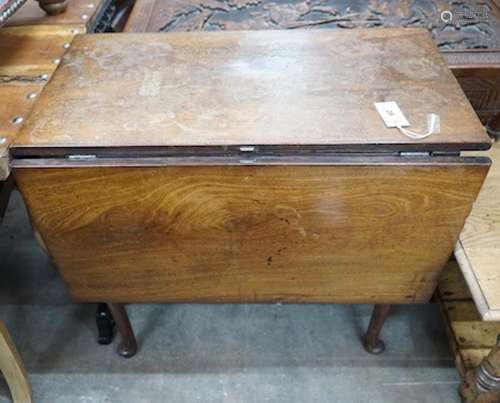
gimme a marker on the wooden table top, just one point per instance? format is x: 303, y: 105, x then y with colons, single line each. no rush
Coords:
x: 28, y: 57
x: 304, y: 87
x: 478, y: 250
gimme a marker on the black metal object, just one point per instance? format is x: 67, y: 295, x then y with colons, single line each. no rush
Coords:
x: 105, y: 325
x: 113, y: 16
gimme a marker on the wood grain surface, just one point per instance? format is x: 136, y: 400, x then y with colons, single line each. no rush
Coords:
x: 260, y: 87
x: 479, y: 249
x: 470, y: 43
x: 26, y: 55
x: 344, y: 233
x: 80, y: 15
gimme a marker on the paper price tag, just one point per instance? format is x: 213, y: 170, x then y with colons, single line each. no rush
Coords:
x: 391, y: 114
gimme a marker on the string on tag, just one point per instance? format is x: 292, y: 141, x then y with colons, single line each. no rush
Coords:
x: 393, y: 117
x: 433, y: 126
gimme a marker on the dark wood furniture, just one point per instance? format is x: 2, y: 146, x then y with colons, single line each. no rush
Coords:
x: 53, y: 7
x: 27, y: 60
x: 81, y: 15
x: 249, y: 167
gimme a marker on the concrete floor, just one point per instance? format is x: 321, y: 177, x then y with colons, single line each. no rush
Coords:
x: 212, y: 353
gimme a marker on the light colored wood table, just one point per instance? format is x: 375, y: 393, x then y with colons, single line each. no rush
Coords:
x: 478, y: 255
x: 478, y: 250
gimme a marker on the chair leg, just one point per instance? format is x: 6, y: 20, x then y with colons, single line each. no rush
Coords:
x: 53, y: 7
x: 12, y: 368
x: 493, y: 127
x: 372, y: 342
x: 482, y: 385
x: 128, y: 346
x: 105, y: 325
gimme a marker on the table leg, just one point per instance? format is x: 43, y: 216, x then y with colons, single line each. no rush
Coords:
x: 12, y: 368
x: 53, y: 7
x: 5, y: 191
x: 372, y: 343
x: 493, y: 127
x: 128, y: 347
x: 105, y: 324
x: 482, y: 385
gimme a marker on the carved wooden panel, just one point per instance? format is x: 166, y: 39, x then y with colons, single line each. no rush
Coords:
x: 454, y: 25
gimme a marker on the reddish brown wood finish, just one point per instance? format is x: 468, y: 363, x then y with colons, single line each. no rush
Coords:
x: 330, y: 233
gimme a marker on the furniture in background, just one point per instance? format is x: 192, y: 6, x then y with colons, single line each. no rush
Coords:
x: 249, y: 167
x: 12, y: 368
x: 28, y: 57
x: 473, y: 341
x: 31, y: 46
x: 53, y: 7
x: 478, y: 255
x: 82, y: 16
x: 469, y: 294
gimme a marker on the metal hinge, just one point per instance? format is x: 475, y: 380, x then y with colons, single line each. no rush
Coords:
x: 248, y: 149
x: 79, y: 157
x: 414, y: 154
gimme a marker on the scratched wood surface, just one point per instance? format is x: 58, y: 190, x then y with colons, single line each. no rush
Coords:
x: 470, y: 39
x: 80, y: 15
x: 254, y: 87
x: 26, y: 55
x: 349, y: 233
x: 479, y: 249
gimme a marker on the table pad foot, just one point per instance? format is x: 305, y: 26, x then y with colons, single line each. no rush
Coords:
x: 372, y: 342
x: 128, y: 346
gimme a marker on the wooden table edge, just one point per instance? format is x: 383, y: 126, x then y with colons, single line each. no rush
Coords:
x: 486, y: 313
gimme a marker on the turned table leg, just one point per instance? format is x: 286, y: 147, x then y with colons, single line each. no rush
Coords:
x: 372, y: 342
x: 128, y: 347
x: 53, y: 7
x: 12, y: 368
x: 493, y: 127
x: 482, y: 385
